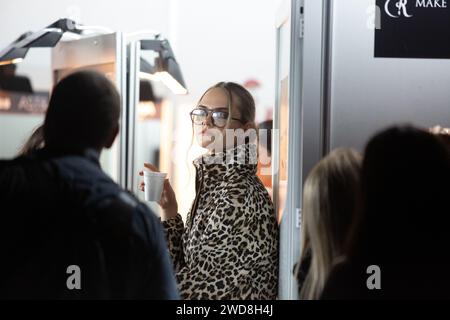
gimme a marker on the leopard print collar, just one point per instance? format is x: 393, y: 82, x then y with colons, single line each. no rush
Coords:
x: 242, y: 159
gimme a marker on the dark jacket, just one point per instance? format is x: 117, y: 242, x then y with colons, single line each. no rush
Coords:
x: 59, y: 211
x: 411, y: 280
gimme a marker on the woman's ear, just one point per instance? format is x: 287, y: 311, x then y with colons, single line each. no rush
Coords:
x: 249, y: 125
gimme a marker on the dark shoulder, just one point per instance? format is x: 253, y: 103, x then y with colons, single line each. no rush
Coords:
x: 347, y: 280
x: 125, y: 218
x: 22, y: 174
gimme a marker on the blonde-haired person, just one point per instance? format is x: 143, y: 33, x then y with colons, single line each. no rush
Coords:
x: 329, y: 199
x: 228, y: 248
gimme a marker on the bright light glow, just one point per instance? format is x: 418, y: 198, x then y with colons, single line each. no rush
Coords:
x: 12, y: 61
x: 146, y: 109
x: 440, y: 130
x: 165, y: 78
x: 94, y: 29
x: 5, y: 103
x: 148, y: 76
x: 69, y: 36
x: 171, y: 83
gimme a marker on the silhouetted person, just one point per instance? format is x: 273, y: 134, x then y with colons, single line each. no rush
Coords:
x: 9, y: 81
x: 61, y: 212
x: 403, y: 222
x: 265, y: 154
x: 442, y: 133
x: 34, y: 142
x: 446, y: 139
x: 329, y: 198
x: 266, y: 143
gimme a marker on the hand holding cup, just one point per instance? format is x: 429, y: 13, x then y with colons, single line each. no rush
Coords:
x: 157, y: 188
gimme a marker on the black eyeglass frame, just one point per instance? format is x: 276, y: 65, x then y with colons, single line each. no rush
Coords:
x: 210, y: 112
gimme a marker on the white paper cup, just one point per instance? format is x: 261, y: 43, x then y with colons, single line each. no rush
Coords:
x: 154, y: 185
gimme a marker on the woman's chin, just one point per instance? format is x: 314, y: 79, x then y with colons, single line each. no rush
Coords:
x: 211, y: 146
x: 206, y: 142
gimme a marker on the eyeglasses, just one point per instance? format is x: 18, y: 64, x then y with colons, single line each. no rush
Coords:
x: 218, y: 118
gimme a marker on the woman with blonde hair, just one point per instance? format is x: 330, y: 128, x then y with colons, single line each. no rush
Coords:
x: 398, y: 244
x: 228, y: 246
x: 328, y: 209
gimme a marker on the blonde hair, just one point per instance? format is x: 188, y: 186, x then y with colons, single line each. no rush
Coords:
x: 328, y: 210
x: 240, y: 98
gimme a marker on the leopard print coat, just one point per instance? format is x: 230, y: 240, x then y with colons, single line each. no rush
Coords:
x: 229, y: 246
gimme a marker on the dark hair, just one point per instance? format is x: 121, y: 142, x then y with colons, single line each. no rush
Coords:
x: 34, y: 142
x: 445, y: 137
x: 404, y: 208
x: 83, y: 112
x: 267, y: 143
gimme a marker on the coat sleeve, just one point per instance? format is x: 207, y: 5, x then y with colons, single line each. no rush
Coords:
x: 239, y: 244
x: 174, y: 229
x: 158, y: 281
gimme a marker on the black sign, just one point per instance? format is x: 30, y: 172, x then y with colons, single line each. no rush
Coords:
x: 16, y: 102
x: 413, y: 29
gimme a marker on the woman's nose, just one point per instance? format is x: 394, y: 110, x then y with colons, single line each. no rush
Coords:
x: 209, y: 120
